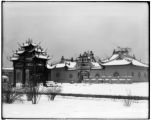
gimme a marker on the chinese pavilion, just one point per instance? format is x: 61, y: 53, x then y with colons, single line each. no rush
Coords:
x: 29, y: 63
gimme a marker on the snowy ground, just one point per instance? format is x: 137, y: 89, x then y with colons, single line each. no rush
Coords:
x: 135, y: 89
x: 78, y: 107
x: 70, y: 107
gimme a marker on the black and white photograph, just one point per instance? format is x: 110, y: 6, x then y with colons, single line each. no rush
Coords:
x: 75, y: 59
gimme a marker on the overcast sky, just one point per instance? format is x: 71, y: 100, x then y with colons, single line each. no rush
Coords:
x: 70, y: 28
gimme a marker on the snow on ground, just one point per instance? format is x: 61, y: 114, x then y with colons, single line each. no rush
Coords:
x: 76, y: 107
x: 135, y: 89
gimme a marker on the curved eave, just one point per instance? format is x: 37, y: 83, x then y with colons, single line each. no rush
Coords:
x: 96, y: 68
x: 113, y: 57
x: 141, y: 66
x: 28, y: 44
x: 7, y: 68
x: 115, y: 64
x: 41, y: 57
x: 60, y: 67
x: 72, y: 69
x: 14, y: 59
x: 37, y: 51
x: 125, y: 65
x: 50, y: 67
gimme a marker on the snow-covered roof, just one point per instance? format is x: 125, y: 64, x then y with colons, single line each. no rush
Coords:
x: 66, y: 63
x: 20, y: 51
x: 124, y: 61
x: 128, y: 58
x: 8, y: 68
x: 14, y: 58
x: 114, y: 56
x: 96, y: 65
x: 72, y: 65
x: 42, y: 56
x: 38, y: 50
x: 117, y: 62
x: 137, y: 63
x: 60, y: 65
x: 27, y: 44
x: 5, y: 77
x: 50, y: 67
x: 69, y: 64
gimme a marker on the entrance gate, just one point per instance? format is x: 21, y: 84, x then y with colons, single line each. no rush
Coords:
x: 82, y: 75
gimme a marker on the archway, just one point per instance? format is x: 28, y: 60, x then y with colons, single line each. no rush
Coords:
x: 82, y: 75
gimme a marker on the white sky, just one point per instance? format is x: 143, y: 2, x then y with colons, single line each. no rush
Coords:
x: 70, y: 28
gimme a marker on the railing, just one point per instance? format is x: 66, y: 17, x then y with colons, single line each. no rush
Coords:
x: 110, y: 79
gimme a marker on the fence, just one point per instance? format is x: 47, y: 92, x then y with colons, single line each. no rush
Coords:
x: 109, y: 79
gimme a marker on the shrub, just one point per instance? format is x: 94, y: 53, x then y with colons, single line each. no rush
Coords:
x: 53, y: 92
x: 128, y: 102
x: 10, y: 94
x: 32, y: 94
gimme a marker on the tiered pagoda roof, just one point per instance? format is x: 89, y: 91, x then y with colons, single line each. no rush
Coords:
x: 31, y: 48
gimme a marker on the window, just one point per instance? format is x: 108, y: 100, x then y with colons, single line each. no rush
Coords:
x: 80, y: 60
x: 83, y: 64
x: 66, y: 68
x: 70, y: 75
x: 27, y: 75
x: 145, y: 75
x: 57, y: 74
x: 97, y: 75
x: 132, y: 73
x: 116, y: 74
x: 139, y: 74
x: 5, y: 80
x: 18, y: 76
x: 85, y: 60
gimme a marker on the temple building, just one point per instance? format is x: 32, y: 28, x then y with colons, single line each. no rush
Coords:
x: 75, y: 70
x: 121, y: 67
x: 29, y: 63
x: 124, y: 67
